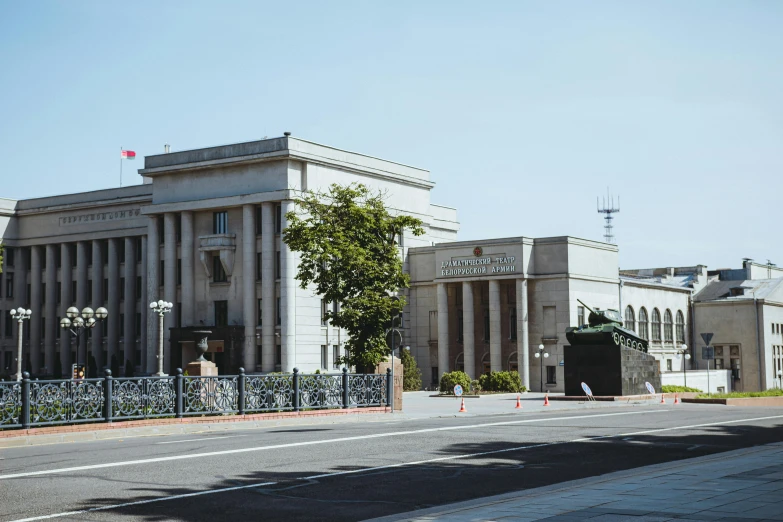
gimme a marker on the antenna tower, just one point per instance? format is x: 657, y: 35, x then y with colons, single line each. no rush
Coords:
x: 607, y: 209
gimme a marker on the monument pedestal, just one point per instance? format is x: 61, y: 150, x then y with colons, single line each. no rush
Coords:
x: 202, y: 369
x: 398, y: 374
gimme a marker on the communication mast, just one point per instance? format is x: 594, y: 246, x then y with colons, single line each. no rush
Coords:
x: 607, y: 209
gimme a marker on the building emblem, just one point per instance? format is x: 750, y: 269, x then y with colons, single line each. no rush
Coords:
x: 478, y: 252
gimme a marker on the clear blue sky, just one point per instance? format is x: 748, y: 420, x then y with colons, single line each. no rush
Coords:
x: 523, y: 112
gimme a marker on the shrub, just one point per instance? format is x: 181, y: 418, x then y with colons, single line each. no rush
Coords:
x: 671, y: 388
x: 411, y: 374
x: 501, y: 382
x: 451, y: 379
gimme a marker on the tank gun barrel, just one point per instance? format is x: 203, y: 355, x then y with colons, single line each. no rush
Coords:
x: 588, y: 308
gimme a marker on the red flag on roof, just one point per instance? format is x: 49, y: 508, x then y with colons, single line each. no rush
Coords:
x: 128, y: 154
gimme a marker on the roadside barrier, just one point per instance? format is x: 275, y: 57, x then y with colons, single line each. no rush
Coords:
x: 519, y: 404
x: 462, y: 407
x: 546, y: 399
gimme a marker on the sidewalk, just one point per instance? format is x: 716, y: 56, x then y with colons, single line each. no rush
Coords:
x: 741, y: 485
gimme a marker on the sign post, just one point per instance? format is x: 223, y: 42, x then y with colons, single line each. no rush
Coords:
x: 708, y: 353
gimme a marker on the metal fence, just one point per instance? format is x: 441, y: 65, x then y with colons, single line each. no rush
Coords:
x: 32, y: 403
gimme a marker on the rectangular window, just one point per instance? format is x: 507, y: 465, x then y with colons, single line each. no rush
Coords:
x: 324, y: 356
x: 278, y: 270
x: 178, y: 310
x: 104, y: 328
x: 259, y: 221
x: 278, y: 358
x: 221, y: 313
x: 137, y: 326
x: 719, y: 364
x: 9, y: 326
x: 89, y: 289
x: 551, y: 374
x: 138, y: 287
x: 179, y: 271
x: 220, y: 222
x: 580, y: 315
x: 73, y: 291
x: 486, y: 324
x: 122, y: 325
x: 260, y: 311
x: 324, y: 309
x: 550, y: 323
x: 259, y: 267
x: 58, y: 258
x: 512, y: 323
x: 278, y: 219
x: 277, y: 314
x: 138, y: 250
x: 178, y: 229
x: 336, y: 357
x: 460, y: 326
x: 105, y: 289
x: 160, y: 230
x: 161, y: 272
x: 9, y: 285
x: 218, y: 274
x: 59, y: 292
x: 43, y: 292
x: 668, y: 365
x: 8, y: 255
x: 122, y: 288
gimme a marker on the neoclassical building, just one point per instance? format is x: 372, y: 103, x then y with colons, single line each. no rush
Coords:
x: 202, y: 232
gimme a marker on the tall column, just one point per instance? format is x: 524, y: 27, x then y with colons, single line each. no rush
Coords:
x: 169, y: 283
x: 495, y: 357
x: 443, y: 329
x: 20, y: 299
x: 144, y: 333
x: 35, y: 306
x: 97, y: 301
x: 523, y: 346
x: 468, y: 326
x: 249, y: 285
x: 50, y: 326
x: 129, y: 304
x: 268, y: 303
x: 287, y: 297
x: 81, y: 297
x: 188, y: 256
x: 66, y: 301
x: 153, y: 265
x: 113, y: 303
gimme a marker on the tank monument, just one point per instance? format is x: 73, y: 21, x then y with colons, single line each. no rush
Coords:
x: 610, y: 359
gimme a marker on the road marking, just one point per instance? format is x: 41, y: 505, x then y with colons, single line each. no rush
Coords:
x: 149, y: 501
x: 390, y: 466
x: 201, y: 439
x: 310, y: 443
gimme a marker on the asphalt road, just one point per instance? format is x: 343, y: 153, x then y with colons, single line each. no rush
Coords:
x: 359, y: 471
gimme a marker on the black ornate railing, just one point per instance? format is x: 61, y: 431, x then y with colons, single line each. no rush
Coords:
x: 28, y: 404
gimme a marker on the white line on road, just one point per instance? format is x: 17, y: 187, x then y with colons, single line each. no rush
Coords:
x: 309, y: 443
x: 398, y: 465
x: 201, y: 439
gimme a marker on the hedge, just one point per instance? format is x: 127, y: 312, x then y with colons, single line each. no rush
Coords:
x: 451, y: 379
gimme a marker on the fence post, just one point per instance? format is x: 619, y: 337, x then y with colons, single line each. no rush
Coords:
x: 241, y: 391
x: 389, y: 387
x: 25, y: 400
x: 296, y: 389
x: 346, y: 398
x: 107, y: 395
x: 178, y: 391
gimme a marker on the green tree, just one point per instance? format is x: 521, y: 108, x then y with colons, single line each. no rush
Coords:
x: 411, y: 376
x: 348, y: 246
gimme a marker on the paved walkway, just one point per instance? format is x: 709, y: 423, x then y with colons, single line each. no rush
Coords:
x: 743, y: 485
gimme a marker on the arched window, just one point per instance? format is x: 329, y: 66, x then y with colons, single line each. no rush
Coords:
x: 656, y: 325
x: 668, y: 334
x: 643, y: 323
x: 630, y: 319
x: 680, y: 327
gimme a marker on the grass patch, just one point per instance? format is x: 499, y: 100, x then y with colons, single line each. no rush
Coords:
x: 741, y: 395
x: 671, y: 388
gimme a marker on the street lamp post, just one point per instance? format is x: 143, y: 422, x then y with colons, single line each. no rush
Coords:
x: 160, y: 308
x: 683, y: 352
x: 20, y: 314
x: 75, y: 321
x: 541, y: 354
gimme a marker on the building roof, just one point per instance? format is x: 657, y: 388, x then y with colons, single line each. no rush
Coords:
x: 744, y: 290
x: 664, y: 281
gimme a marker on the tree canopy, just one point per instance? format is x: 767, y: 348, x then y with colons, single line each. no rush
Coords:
x: 348, y: 245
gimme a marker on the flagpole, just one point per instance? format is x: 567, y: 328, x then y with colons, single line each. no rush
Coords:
x: 120, y: 166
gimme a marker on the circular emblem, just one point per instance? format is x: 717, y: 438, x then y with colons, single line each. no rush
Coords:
x: 477, y: 251
x: 457, y: 390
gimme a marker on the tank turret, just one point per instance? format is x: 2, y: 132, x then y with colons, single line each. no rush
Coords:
x: 599, y: 317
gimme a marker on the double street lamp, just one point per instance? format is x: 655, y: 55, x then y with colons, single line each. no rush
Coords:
x: 160, y: 308
x: 20, y: 314
x: 75, y: 321
x: 541, y: 354
x: 683, y: 353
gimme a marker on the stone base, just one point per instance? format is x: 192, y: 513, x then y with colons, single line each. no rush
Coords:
x: 202, y: 369
x: 609, y: 370
x: 381, y: 368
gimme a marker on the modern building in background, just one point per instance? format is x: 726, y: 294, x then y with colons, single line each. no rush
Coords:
x: 204, y: 232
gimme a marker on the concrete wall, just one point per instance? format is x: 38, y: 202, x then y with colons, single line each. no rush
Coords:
x: 698, y: 379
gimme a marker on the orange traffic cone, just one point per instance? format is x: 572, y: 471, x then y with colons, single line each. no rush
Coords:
x: 462, y: 407
x: 546, y: 399
x: 662, y: 401
x: 519, y: 404
x: 676, y: 400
